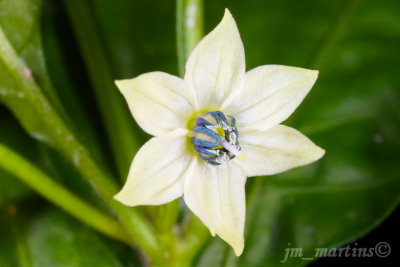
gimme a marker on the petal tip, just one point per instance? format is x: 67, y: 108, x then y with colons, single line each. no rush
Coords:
x: 118, y: 82
x: 119, y: 197
x: 237, y: 243
x: 320, y: 152
x: 121, y: 84
x: 228, y: 18
x: 238, y: 248
x: 316, y: 153
x: 212, y: 231
x: 122, y: 198
x: 315, y: 74
x: 227, y: 13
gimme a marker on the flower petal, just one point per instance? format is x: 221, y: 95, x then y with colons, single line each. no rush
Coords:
x: 216, y: 65
x: 155, y: 176
x: 269, y: 94
x: 216, y: 195
x: 275, y: 150
x: 159, y: 102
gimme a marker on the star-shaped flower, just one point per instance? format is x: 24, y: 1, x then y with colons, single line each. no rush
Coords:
x: 213, y: 129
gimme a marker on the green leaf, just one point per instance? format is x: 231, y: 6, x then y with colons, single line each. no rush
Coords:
x: 353, y: 112
x: 66, y: 242
x: 41, y: 118
x: 50, y: 238
x: 20, y: 23
x: 23, y: 170
x: 115, y: 113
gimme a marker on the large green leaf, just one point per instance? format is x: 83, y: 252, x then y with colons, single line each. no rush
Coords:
x: 39, y: 113
x: 352, y: 112
x: 20, y: 23
x: 24, y: 83
x: 48, y: 237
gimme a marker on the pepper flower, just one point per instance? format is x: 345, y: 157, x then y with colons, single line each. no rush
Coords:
x: 213, y: 129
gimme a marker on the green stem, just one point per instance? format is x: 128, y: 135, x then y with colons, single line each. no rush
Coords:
x: 168, y: 213
x: 55, y: 193
x: 195, y: 236
x: 189, y: 29
x: 51, y: 129
x: 117, y: 118
x: 183, y: 247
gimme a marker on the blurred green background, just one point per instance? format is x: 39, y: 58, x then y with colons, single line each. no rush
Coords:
x: 75, y: 49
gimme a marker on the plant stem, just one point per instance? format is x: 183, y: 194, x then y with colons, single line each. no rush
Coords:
x: 189, y: 29
x: 195, y: 236
x: 117, y: 118
x: 51, y: 129
x: 22, y: 169
x: 169, y: 213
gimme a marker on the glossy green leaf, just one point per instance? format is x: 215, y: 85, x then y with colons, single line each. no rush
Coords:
x: 352, y: 112
x: 20, y: 23
x: 66, y: 242
x: 40, y: 117
x: 50, y: 238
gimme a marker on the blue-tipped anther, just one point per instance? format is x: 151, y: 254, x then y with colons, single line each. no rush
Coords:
x: 215, y: 137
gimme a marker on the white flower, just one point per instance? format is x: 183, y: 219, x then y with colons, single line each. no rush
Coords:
x: 212, y: 177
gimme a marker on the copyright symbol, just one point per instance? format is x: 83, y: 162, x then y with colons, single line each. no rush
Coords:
x: 382, y: 249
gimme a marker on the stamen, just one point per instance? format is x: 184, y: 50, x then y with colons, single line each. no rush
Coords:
x: 215, y: 138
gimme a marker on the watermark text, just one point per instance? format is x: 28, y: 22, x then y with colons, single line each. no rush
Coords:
x: 381, y: 249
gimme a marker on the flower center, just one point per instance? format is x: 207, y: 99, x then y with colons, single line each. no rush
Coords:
x: 215, y: 137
